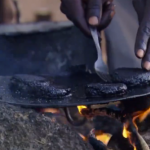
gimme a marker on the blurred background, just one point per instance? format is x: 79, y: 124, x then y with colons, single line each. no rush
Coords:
x: 117, y: 52
x: 45, y: 7
x: 36, y: 10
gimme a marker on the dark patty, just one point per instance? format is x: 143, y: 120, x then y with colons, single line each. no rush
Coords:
x: 131, y: 76
x: 103, y: 90
x: 36, y: 87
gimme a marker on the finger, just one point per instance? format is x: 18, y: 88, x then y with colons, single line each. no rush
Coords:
x: 143, y: 33
x: 108, y: 14
x: 146, y: 59
x: 94, y: 12
x: 78, y: 20
x: 82, y: 24
x: 142, y: 37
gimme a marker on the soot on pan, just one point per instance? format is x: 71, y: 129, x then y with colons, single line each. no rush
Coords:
x: 131, y: 76
x: 36, y: 87
x: 102, y: 90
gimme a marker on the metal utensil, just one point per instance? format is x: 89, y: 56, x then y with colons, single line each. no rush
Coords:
x: 99, y: 66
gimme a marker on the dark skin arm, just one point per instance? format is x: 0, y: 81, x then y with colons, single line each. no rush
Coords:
x: 83, y: 13
x: 99, y: 13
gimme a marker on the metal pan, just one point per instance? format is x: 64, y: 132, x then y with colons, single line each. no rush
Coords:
x: 76, y: 83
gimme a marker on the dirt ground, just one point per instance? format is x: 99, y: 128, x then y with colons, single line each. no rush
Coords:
x: 25, y: 129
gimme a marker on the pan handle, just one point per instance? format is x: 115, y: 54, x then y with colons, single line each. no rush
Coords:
x: 71, y: 120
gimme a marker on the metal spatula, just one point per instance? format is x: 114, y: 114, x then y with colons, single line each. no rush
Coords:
x: 100, y: 67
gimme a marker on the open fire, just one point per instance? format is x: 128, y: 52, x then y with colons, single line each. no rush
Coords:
x: 133, y: 138
x: 132, y: 135
x: 81, y: 108
x: 140, y: 116
x: 103, y: 137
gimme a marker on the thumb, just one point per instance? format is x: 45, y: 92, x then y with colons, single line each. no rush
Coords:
x: 94, y: 12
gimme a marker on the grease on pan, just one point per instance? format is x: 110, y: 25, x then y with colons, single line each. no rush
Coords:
x: 105, y: 90
x: 36, y: 87
x: 132, y: 77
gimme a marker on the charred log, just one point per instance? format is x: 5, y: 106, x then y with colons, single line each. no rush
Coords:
x: 96, y: 144
x: 107, y: 125
x: 135, y: 138
x: 119, y: 142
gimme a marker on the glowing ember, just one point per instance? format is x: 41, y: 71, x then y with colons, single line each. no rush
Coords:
x: 50, y: 110
x: 83, y: 137
x: 103, y: 137
x: 80, y: 108
x: 128, y: 134
x: 141, y: 116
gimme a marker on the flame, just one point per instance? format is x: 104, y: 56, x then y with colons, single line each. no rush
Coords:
x: 50, y: 110
x: 99, y: 135
x: 128, y: 134
x: 83, y: 137
x: 80, y: 108
x: 141, y: 116
x: 103, y: 137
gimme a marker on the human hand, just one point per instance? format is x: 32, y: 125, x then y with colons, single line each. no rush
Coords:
x: 83, y: 13
x: 142, y: 44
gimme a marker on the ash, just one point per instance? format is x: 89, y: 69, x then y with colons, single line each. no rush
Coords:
x: 25, y: 129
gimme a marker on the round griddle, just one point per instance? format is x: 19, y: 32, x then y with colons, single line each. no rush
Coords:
x: 77, y: 83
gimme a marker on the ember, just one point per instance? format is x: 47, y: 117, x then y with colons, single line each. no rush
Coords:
x: 103, y: 137
x: 50, y: 110
x: 83, y: 137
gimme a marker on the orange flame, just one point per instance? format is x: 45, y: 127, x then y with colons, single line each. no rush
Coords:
x: 128, y: 134
x: 103, y: 137
x: 141, y: 116
x: 80, y: 108
x: 99, y: 135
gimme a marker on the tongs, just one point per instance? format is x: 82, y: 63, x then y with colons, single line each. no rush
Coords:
x: 99, y: 66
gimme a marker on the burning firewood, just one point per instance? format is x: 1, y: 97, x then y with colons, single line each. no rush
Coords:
x: 96, y: 144
x: 128, y: 135
x: 135, y: 139
x: 100, y: 136
x: 104, y: 110
x: 143, y: 144
x: 98, y: 140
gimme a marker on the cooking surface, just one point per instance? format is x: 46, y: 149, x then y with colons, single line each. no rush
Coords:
x: 76, y: 82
